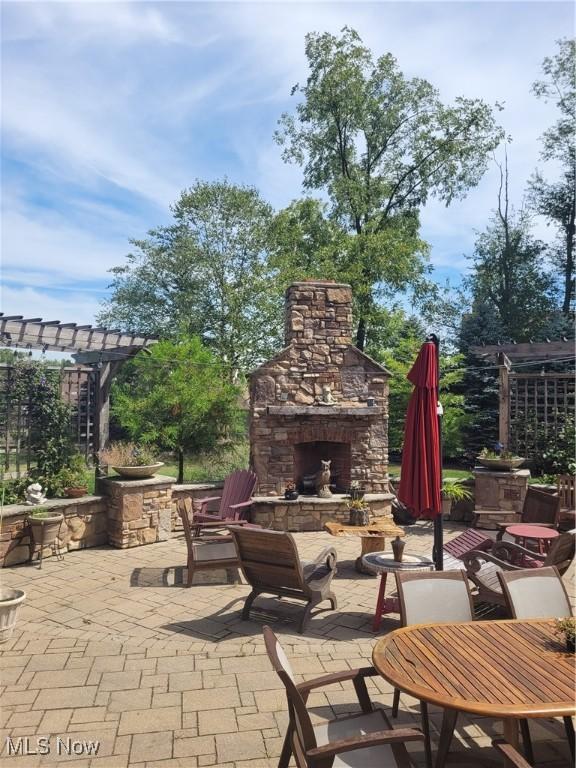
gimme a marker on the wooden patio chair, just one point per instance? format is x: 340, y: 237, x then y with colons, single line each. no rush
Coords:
x: 567, y: 496
x: 269, y: 560
x: 468, y: 541
x: 205, y: 553
x: 482, y: 568
x: 535, y: 593
x: 441, y: 596
x: 539, y: 508
x: 538, y: 594
x: 235, y: 500
x: 365, y: 740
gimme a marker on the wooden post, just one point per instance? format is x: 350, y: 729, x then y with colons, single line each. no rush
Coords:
x: 102, y: 430
x: 504, y: 400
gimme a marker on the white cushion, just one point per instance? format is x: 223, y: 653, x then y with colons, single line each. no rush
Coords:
x: 539, y: 597
x: 349, y: 727
x: 436, y: 600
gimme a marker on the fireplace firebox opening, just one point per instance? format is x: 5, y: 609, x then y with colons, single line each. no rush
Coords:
x: 307, y: 458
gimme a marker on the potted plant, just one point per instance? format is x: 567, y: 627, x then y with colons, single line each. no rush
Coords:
x: 10, y: 599
x: 499, y: 459
x: 44, y: 529
x: 290, y: 492
x: 130, y: 460
x: 355, y: 492
x: 359, y: 512
x: 453, y: 490
x: 567, y: 628
x: 72, y: 478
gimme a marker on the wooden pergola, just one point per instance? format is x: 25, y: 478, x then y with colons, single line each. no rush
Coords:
x: 102, y: 348
x: 532, y: 404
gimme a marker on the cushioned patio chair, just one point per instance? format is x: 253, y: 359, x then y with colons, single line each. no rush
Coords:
x: 365, y: 740
x: 441, y: 596
x: 235, y: 500
x: 271, y: 565
x: 482, y: 568
x: 535, y: 593
x: 205, y: 553
x: 538, y: 594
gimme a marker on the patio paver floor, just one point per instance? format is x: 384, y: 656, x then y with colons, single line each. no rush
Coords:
x: 110, y: 647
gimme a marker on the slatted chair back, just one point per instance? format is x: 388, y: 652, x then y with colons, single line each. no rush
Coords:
x: 238, y: 487
x: 540, y: 507
x: 566, y: 492
x: 561, y: 552
x: 269, y: 559
x: 467, y: 541
x: 441, y: 596
x: 184, y: 507
x: 303, y: 737
x: 535, y: 593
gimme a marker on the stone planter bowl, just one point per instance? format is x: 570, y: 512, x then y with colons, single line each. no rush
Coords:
x: 76, y: 491
x: 10, y: 602
x: 146, y: 471
x: 505, y: 464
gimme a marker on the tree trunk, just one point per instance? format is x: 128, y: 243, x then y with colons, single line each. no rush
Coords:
x: 569, y: 273
x: 361, y: 334
x: 180, y: 478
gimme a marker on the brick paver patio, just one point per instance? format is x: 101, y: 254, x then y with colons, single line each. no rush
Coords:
x: 110, y: 647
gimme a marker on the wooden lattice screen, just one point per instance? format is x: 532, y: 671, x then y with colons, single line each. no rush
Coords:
x: 79, y: 388
x: 539, y: 406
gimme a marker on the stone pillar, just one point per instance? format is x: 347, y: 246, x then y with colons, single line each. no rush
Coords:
x: 318, y: 313
x: 502, y: 492
x: 139, y: 511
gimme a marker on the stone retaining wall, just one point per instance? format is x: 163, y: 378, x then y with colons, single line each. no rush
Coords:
x: 84, y: 525
x: 309, y: 513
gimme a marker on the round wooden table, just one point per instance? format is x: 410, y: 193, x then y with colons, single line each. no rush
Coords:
x: 382, y: 564
x: 539, y: 533
x: 504, y: 669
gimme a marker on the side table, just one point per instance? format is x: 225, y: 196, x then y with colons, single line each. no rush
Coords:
x: 382, y: 564
x: 539, y: 533
x: 372, y: 536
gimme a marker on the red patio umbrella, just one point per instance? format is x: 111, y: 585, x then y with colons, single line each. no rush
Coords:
x: 421, y: 475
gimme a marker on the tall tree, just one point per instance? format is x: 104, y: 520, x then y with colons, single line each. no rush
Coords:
x: 207, y: 274
x: 381, y: 145
x: 556, y: 200
x: 509, y: 273
x: 175, y: 395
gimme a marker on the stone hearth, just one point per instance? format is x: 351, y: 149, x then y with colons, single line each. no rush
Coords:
x: 319, y: 399
x: 309, y: 513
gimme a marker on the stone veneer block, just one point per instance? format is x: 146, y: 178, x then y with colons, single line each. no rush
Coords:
x: 502, y: 492
x: 309, y: 513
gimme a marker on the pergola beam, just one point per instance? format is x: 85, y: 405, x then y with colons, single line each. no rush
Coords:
x: 537, y: 351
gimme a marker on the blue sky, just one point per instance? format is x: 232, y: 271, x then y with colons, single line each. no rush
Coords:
x: 110, y: 109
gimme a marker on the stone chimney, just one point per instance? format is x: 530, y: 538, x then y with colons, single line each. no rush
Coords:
x: 318, y: 312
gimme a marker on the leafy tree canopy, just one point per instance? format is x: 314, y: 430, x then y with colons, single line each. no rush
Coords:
x: 380, y: 145
x: 206, y: 274
x: 175, y: 395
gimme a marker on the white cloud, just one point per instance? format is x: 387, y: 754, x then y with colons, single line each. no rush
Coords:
x: 74, y: 307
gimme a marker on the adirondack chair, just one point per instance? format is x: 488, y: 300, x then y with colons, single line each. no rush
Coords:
x: 271, y: 565
x: 206, y: 553
x: 482, y: 567
x: 234, y: 502
x: 567, y: 496
x: 354, y: 741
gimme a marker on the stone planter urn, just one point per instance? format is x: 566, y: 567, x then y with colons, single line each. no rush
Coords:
x: 10, y: 602
x: 44, y: 531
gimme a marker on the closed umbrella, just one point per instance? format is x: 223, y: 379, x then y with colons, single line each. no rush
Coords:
x: 421, y: 475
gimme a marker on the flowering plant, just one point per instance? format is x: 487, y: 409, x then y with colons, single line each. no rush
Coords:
x: 120, y: 454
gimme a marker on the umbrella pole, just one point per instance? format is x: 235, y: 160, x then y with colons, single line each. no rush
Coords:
x: 438, y: 548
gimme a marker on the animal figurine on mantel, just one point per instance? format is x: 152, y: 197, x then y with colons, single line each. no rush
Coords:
x: 323, y: 480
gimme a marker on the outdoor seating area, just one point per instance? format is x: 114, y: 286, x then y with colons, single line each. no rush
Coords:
x: 111, y: 646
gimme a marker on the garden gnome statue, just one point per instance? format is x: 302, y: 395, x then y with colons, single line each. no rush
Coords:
x: 34, y: 495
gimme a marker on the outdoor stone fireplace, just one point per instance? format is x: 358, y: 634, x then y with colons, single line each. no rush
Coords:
x: 319, y: 399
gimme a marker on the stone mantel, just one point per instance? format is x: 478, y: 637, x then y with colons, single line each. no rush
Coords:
x: 324, y: 410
